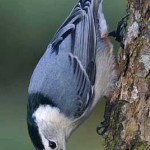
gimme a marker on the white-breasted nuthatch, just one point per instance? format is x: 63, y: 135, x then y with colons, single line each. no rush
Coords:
x: 76, y: 70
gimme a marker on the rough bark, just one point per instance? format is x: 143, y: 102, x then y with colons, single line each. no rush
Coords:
x: 129, y: 127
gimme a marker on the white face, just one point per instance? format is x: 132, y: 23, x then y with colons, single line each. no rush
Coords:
x: 52, y: 143
x: 53, y: 127
x: 49, y: 144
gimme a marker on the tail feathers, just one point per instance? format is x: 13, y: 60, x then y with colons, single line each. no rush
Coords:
x: 101, y: 25
x: 102, y: 22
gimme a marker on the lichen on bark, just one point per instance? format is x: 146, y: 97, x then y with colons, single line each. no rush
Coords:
x: 129, y: 127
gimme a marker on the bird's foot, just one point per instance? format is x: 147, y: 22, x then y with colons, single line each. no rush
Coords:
x: 104, y: 125
x: 119, y: 32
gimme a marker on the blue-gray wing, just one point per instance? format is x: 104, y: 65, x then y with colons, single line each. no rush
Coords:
x: 77, y: 36
x: 66, y: 72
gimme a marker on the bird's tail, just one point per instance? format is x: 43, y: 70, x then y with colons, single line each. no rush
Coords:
x: 101, y: 28
x: 100, y: 21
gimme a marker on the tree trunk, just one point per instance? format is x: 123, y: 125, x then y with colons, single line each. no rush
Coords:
x: 129, y: 127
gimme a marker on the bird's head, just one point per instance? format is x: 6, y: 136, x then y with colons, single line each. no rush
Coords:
x: 49, y: 129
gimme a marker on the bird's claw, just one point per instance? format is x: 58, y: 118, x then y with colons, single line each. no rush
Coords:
x: 118, y: 33
x: 104, y: 125
x: 102, y: 128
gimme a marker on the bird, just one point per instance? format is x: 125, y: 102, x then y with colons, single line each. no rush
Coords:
x: 75, y: 71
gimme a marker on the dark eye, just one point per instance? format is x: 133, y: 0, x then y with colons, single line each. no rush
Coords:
x: 52, y: 144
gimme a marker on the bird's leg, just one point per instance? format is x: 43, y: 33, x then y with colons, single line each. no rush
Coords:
x: 104, y: 125
x: 119, y: 32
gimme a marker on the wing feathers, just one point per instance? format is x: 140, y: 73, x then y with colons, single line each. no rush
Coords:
x: 77, y: 37
x: 82, y: 80
x: 79, y: 27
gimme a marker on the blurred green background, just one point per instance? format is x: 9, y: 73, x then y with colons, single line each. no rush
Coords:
x: 26, y: 27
